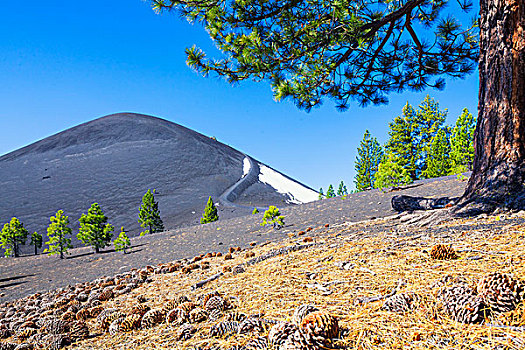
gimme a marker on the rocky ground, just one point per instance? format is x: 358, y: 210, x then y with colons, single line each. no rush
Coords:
x: 29, y: 274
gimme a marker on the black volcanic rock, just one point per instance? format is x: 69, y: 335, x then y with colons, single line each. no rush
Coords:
x: 114, y: 160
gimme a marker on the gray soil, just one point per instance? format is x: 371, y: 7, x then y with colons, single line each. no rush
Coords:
x: 28, y: 274
x: 114, y: 160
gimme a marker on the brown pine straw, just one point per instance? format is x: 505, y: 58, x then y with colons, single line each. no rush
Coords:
x: 380, y: 261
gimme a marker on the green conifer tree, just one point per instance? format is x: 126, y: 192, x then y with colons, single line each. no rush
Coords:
x: 12, y: 236
x: 330, y: 193
x: 122, y: 242
x: 391, y: 174
x: 255, y: 211
x: 210, y: 212
x: 369, y: 155
x: 149, y: 214
x: 342, y: 191
x: 58, y: 232
x: 321, y: 194
x: 36, y: 241
x: 462, y: 143
x: 438, y: 162
x: 411, y: 135
x: 273, y: 216
x: 94, y: 229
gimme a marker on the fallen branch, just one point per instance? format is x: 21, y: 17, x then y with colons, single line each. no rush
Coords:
x: 203, y: 282
x: 365, y: 300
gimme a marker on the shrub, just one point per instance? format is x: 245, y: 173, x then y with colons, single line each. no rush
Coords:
x: 255, y: 211
x: 122, y: 242
x: 273, y: 216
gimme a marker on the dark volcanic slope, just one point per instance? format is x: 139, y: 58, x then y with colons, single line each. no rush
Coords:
x: 113, y: 160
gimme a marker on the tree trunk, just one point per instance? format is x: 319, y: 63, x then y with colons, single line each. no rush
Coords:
x: 498, y: 173
x: 15, y: 247
x: 36, y: 250
x: 97, y: 250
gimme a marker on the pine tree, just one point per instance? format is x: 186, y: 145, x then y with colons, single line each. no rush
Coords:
x: 36, y: 241
x: 438, y: 162
x: 273, y: 216
x: 58, y: 232
x: 369, y: 155
x: 321, y: 194
x: 12, y: 236
x: 255, y: 211
x: 122, y: 242
x: 330, y: 193
x: 391, y: 174
x: 94, y: 229
x: 462, y: 143
x: 342, y: 191
x: 411, y: 135
x: 429, y: 122
x: 149, y: 214
x: 210, y: 212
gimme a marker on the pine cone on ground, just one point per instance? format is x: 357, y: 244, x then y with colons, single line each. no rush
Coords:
x: 251, y: 324
x: 224, y: 328
x: 443, y: 252
x: 501, y: 292
x: 259, y: 343
x: 185, y: 331
x: 78, y: 330
x: 279, y: 333
x: 107, y: 319
x: 197, y: 315
x: 300, y: 340
x: 131, y: 322
x: 320, y: 324
x: 114, y: 327
x: 400, y: 303
x: 215, y: 302
x: 301, y: 312
x: 463, y: 305
x: 514, y: 318
x: 152, y: 318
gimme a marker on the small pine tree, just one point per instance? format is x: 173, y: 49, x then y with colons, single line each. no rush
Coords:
x: 122, y: 242
x: 36, y: 241
x: 94, y: 229
x: 58, y: 232
x: 149, y: 214
x: 438, y: 162
x: 255, y: 211
x: 273, y: 216
x: 12, y: 236
x: 321, y: 194
x: 330, y: 193
x: 391, y: 173
x: 462, y: 143
x: 210, y: 212
x: 369, y: 155
x: 342, y: 191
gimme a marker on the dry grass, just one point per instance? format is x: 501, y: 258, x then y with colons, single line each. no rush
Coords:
x: 377, y: 260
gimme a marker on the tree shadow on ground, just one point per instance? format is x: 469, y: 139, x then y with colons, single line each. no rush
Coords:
x: 7, y: 279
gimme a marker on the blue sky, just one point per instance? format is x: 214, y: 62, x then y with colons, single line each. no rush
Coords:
x: 64, y: 63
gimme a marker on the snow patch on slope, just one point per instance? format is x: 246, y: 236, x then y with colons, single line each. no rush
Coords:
x: 246, y: 166
x: 298, y: 193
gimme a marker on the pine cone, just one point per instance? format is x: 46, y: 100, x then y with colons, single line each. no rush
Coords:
x: 185, y: 331
x: 152, y: 318
x: 197, y: 315
x: 224, y: 328
x: 301, y: 312
x: 501, y: 292
x: 300, y: 340
x: 259, y: 343
x: 279, y: 333
x: 462, y: 304
x: 131, y: 322
x: 320, y: 324
x: 402, y: 302
x: 443, y: 252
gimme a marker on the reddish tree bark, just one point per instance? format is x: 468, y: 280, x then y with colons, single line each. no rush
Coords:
x: 498, y: 177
